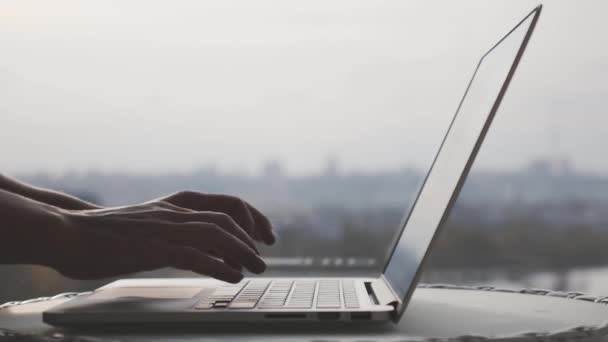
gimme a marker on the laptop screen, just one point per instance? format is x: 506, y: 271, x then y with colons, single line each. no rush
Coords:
x: 456, y: 154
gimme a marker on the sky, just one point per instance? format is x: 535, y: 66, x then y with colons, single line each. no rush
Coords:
x: 159, y: 86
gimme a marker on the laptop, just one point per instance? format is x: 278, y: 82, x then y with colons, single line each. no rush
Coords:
x: 347, y: 299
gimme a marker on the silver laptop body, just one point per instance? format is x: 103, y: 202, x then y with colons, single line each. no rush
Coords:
x: 378, y: 299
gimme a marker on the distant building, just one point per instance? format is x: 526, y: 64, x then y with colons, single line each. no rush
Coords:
x: 331, y: 168
x: 273, y: 170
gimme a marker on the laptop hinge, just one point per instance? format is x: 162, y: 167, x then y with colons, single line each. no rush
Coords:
x: 383, y: 293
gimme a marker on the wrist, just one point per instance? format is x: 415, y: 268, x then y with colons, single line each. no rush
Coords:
x: 52, y: 230
x: 64, y: 201
x: 31, y: 230
x: 50, y: 197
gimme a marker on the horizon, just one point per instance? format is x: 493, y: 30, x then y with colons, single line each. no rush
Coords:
x: 331, y: 166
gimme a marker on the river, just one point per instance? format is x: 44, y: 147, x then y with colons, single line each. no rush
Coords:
x: 588, y: 280
x: 593, y: 280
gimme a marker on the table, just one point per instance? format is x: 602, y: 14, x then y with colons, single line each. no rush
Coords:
x: 438, y: 312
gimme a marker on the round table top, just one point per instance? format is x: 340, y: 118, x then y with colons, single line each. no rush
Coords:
x: 436, y: 311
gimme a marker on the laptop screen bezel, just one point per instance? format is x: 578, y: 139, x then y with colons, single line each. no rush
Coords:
x: 400, y: 308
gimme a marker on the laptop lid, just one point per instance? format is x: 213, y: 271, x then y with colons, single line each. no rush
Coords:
x: 454, y: 159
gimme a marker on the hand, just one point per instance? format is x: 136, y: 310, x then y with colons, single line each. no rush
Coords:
x: 246, y: 215
x: 157, y: 234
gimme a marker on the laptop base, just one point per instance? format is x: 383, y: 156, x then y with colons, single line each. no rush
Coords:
x: 254, y: 300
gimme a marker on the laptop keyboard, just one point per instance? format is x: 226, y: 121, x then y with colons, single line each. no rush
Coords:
x: 250, y: 296
x: 329, y: 294
x: 290, y: 294
x: 302, y: 295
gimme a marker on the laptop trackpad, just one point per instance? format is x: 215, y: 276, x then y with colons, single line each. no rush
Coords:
x: 147, y: 292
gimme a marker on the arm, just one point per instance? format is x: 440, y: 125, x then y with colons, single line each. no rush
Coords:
x: 24, y: 226
x: 47, y: 196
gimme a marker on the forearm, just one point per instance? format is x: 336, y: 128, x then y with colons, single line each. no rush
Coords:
x: 47, y: 196
x: 27, y: 229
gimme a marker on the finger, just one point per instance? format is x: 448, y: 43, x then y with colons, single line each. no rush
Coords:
x: 227, y: 223
x: 158, y: 255
x: 235, y: 265
x: 263, y: 225
x: 220, y: 219
x: 190, y: 259
x: 225, y: 244
x: 87, y: 257
x: 206, y: 237
x: 232, y: 206
x: 130, y: 255
x: 169, y: 206
x: 158, y: 205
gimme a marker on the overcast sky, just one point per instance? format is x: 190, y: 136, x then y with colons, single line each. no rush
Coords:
x: 151, y: 86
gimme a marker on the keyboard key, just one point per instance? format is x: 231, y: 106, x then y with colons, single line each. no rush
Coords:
x: 277, y: 294
x: 220, y: 304
x: 249, y: 297
x: 350, y: 295
x: 289, y: 294
x: 220, y: 297
x: 328, y: 294
x: 302, y: 294
x: 242, y: 305
x: 203, y: 305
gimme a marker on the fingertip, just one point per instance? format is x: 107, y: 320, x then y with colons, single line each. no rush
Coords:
x: 270, y: 239
x: 263, y: 226
x: 256, y: 264
x: 236, y: 266
x: 233, y: 278
x: 265, y: 236
x: 227, y: 274
x: 262, y: 267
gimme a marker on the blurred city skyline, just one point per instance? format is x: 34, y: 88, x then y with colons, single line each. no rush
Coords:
x: 545, y: 191
x: 155, y: 87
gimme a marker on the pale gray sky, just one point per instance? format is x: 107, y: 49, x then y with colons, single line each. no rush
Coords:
x: 152, y: 86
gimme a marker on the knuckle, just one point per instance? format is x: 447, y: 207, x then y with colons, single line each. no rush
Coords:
x: 153, y: 204
x: 161, y: 206
x: 183, y: 195
x: 222, y: 218
x: 234, y: 201
x: 164, y: 205
x: 241, y: 204
x: 213, y: 230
